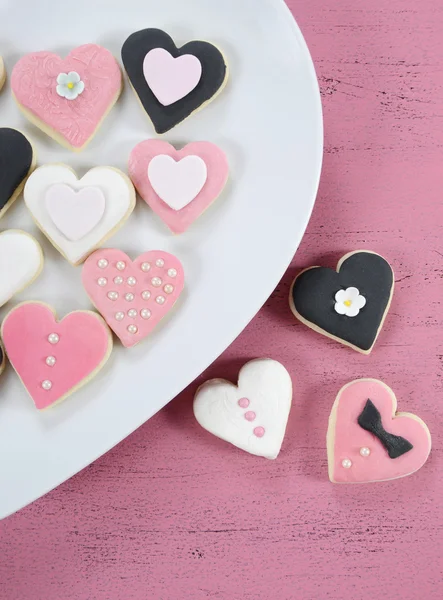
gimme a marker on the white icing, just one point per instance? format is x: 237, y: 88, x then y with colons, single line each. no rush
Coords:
x: 117, y: 190
x: 177, y: 182
x: 349, y: 302
x: 21, y: 259
x: 267, y: 385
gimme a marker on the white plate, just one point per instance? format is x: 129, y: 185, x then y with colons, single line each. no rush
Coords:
x: 268, y: 121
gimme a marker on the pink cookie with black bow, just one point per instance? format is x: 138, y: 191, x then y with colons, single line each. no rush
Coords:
x: 368, y: 440
x: 54, y: 358
x: 172, y: 83
x: 67, y: 98
x: 133, y: 296
x: 179, y: 185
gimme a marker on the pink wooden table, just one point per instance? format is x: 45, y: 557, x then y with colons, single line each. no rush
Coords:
x: 175, y: 514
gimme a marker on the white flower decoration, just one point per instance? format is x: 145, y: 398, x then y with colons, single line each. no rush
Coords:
x: 69, y: 85
x: 349, y: 302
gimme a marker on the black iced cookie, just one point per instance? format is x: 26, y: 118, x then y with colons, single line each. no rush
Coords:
x: 349, y: 304
x: 16, y: 162
x: 172, y: 82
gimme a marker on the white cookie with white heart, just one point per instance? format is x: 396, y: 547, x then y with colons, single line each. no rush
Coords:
x: 21, y: 262
x: 252, y: 415
x: 79, y: 215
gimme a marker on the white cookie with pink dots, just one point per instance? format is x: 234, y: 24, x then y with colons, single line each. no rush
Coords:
x: 252, y: 415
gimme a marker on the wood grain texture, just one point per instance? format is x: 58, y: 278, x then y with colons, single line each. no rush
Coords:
x: 175, y: 514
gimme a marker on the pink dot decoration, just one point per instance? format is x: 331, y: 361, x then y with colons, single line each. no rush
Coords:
x: 250, y: 415
x: 259, y: 431
x: 243, y: 402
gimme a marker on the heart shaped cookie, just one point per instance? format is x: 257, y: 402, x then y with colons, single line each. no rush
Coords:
x: 79, y: 215
x: 17, y: 160
x: 348, y: 305
x: 252, y: 415
x: 133, y: 296
x: 172, y: 83
x: 21, y: 262
x: 67, y: 98
x: 178, y: 185
x: 54, y: 358
x: 368, y: 440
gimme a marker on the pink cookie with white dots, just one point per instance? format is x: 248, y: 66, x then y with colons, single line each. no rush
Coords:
x: 368, y: 440
x: 133, y: 296
x: 252, y: 415
x: 54, y: 358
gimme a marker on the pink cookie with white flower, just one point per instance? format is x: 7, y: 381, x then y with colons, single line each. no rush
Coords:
x: 368, y: 440
x: 67, y: 98
x: 178, y: 185
x: 133, y: 296
x: 52, y: 357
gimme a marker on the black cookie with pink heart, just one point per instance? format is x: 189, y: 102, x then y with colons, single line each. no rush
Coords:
x: 172, y: 83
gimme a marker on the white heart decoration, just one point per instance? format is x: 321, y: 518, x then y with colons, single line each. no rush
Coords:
x: 75, y: 213
x: 21, y: 260
x: 252, y: 415
x: 76, y: 239
x: 177, y: 182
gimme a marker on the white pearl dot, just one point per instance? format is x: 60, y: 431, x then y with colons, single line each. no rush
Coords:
x: 102, y: 263
x: 129, y: 297
x: 112, y: 295
x: 159, y: 262
x: 46, y: 384
x: 118, y: 280
x: 146, y: 295
x: 145, y: 266
x: 132, y: 329
x: 132, y: 313
x: 168, y: 288
x: 172, y: 273
x: 131, y: 281
x: 119, y: 316
x: 346, y: 463
x: 365, y: 451
x: 53, y: 338
x: 102, y: 281
x: 160, y: 299
x: 121, y: 265
x: 156, y: 281
x: 50, y: 361
x: 145, y: 313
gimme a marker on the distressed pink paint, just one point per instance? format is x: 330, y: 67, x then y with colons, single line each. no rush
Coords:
x: 174, y: 513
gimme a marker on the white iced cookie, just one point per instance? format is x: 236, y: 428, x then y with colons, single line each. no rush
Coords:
x: 79, y: 215
x: 21, y: 262
x: 252, y: 415
x: 2, y: 73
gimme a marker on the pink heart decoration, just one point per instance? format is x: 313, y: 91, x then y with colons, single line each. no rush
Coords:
x: 34, y: 83
x: 217, y: 174
x: 169, y: 78
x: 84, y: 345
x: 133, y: 297
x: 75, y: 213
x: 346, y: 437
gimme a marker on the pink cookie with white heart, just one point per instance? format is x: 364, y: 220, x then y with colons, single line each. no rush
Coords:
x: 54, y: 358
x: 67, y: 98
x: 179, y: 185
x: 368, y: 440
x: 133, y: 296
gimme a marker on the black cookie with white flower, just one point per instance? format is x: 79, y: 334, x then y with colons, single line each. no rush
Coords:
x: 348, y: 305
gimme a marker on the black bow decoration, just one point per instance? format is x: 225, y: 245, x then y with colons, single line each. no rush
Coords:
x: 370, y: 420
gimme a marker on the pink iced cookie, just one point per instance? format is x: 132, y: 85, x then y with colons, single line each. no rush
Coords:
x: 54, y: 358
x: 368, y: 440
x: 178, y: 185
x: 67, y: 98
x: 133, y: 297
